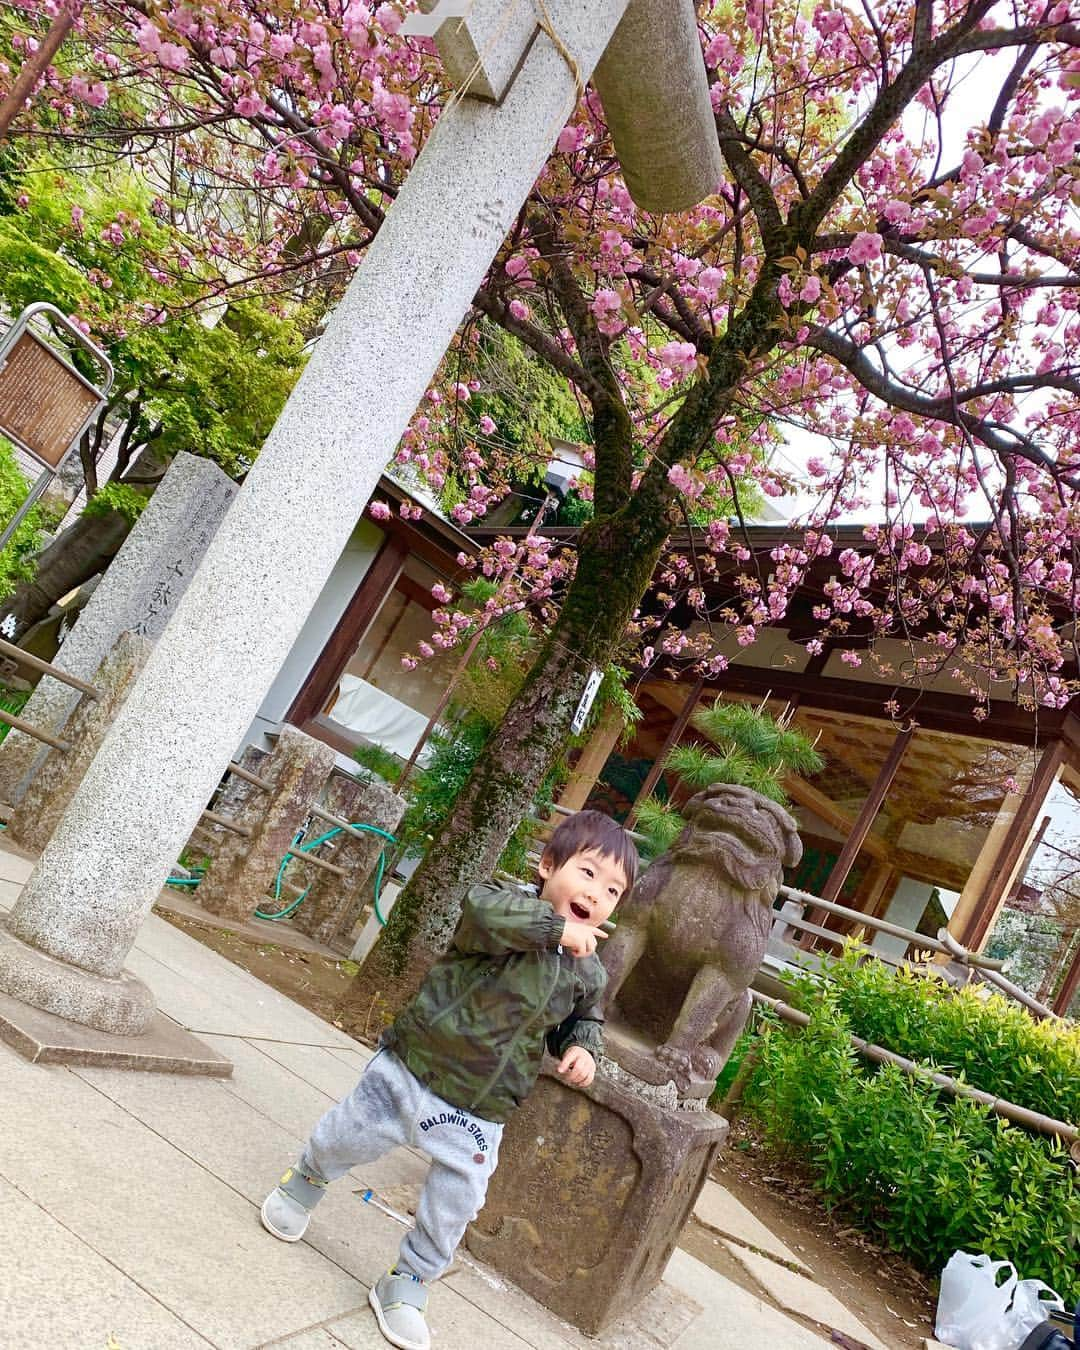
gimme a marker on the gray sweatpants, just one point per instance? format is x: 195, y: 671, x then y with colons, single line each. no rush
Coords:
x: 389, y: 1107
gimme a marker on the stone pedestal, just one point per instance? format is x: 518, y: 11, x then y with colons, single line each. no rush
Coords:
x: 637, y: 1055
x: 119, y: 1004
x: 592, y: 1191
x: 244, y: 869
x: 333, y: 904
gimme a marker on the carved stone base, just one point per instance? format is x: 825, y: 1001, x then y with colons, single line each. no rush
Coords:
x: 637, y: 1055
x: 591, y: 1193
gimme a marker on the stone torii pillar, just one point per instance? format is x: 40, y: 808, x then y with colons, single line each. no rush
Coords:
x: 523, y: 64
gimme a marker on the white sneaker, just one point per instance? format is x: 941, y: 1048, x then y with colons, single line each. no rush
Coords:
x: 283, y: 1216
x: 286, y: 1211
x: 399, y: 1303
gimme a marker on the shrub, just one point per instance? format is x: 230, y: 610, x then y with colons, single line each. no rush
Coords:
x: 927, y: 1172
x: 15, y: 560
x: 990, y: 1042
x: 12, y: 701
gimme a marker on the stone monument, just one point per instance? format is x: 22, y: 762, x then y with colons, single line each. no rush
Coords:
x: 595, y: 1186
x: 137, y: 594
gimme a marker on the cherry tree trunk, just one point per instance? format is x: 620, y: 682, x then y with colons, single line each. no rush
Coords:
x: 615, y: 564
x: 82, y: 551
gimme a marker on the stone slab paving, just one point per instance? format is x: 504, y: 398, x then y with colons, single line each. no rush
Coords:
x: 259, y: 930
x: 802, y: 1296
x: 220, y: 997
x: 356, y: 1058
x: 132, y: 1200
x: 48, y: 1264
x: 719, y: 1210
x: 190, y: 1242
x: 8, y: 891
x: 284, y: 1097
x: 732, y: 1318
x: 316, y: 1065
x: 318, y: 1339
x: 164, y: 1046
x: 16, y: 864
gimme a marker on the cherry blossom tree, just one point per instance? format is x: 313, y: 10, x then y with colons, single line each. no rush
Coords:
x: 90, y: 244
x: 888, y: 271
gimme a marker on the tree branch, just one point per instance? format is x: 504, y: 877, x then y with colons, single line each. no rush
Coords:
x: 1004, y: 441
x: 497, y: 309
x: 613, y: 430
x: 806, y: 216
x: 746, y: 174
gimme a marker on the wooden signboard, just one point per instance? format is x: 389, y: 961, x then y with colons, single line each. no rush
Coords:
x: 44, y: 403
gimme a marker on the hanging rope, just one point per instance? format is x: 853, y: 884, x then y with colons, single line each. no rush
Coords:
x: 547, y: 25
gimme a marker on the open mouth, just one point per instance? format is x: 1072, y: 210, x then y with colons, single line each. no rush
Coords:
x: 579, y: 911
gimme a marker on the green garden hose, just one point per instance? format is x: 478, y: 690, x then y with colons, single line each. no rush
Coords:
x: 307, y: 848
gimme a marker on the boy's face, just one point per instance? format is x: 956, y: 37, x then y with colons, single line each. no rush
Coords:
x: 586, y: 888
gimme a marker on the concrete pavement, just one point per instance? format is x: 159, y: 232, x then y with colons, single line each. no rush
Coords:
x: 129, y: 1200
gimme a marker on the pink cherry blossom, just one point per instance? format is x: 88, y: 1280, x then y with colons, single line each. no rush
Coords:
x: 898, y: 301
x: 865, y: 248
x: 388, y: 18
x: 570, y: 139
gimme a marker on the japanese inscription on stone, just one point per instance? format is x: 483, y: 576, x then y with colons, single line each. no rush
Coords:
x: 180, y: 555
x: 42, y: 404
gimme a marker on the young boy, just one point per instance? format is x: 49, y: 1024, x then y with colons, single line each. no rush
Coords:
x: 522, y: 972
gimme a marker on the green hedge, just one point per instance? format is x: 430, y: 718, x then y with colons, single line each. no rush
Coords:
x: 992, y: 1043
x: 928, y: 1173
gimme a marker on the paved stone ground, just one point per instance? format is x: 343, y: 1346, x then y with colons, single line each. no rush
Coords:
x: 129, y: 1202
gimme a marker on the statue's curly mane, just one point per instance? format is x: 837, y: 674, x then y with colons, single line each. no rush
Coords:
x: 749, y: 838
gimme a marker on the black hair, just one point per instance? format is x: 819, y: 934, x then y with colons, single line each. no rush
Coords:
x: 593, y: 830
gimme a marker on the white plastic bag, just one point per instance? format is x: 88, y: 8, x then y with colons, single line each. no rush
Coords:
x: 974, y: 1301
x: 1032, y: 1300
x: 983, y: 1306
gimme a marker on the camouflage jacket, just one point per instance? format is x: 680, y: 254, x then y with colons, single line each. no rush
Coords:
x: 475, y: 1032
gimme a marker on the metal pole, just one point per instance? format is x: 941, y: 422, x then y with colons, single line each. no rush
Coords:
x: 861, y: 828
x: 22, y: 658
x: 867, y: 815
x: 43, y: 481
x: 944, y: 943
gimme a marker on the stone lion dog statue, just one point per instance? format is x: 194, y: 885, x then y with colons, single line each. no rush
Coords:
x: 691, y: 936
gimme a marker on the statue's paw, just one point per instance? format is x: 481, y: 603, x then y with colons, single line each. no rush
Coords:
x: 705, y: 1062
x: 677, y: 1063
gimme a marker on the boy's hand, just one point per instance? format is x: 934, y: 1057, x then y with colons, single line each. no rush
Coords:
x: 577, y: 1066
x: 580, y: 939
